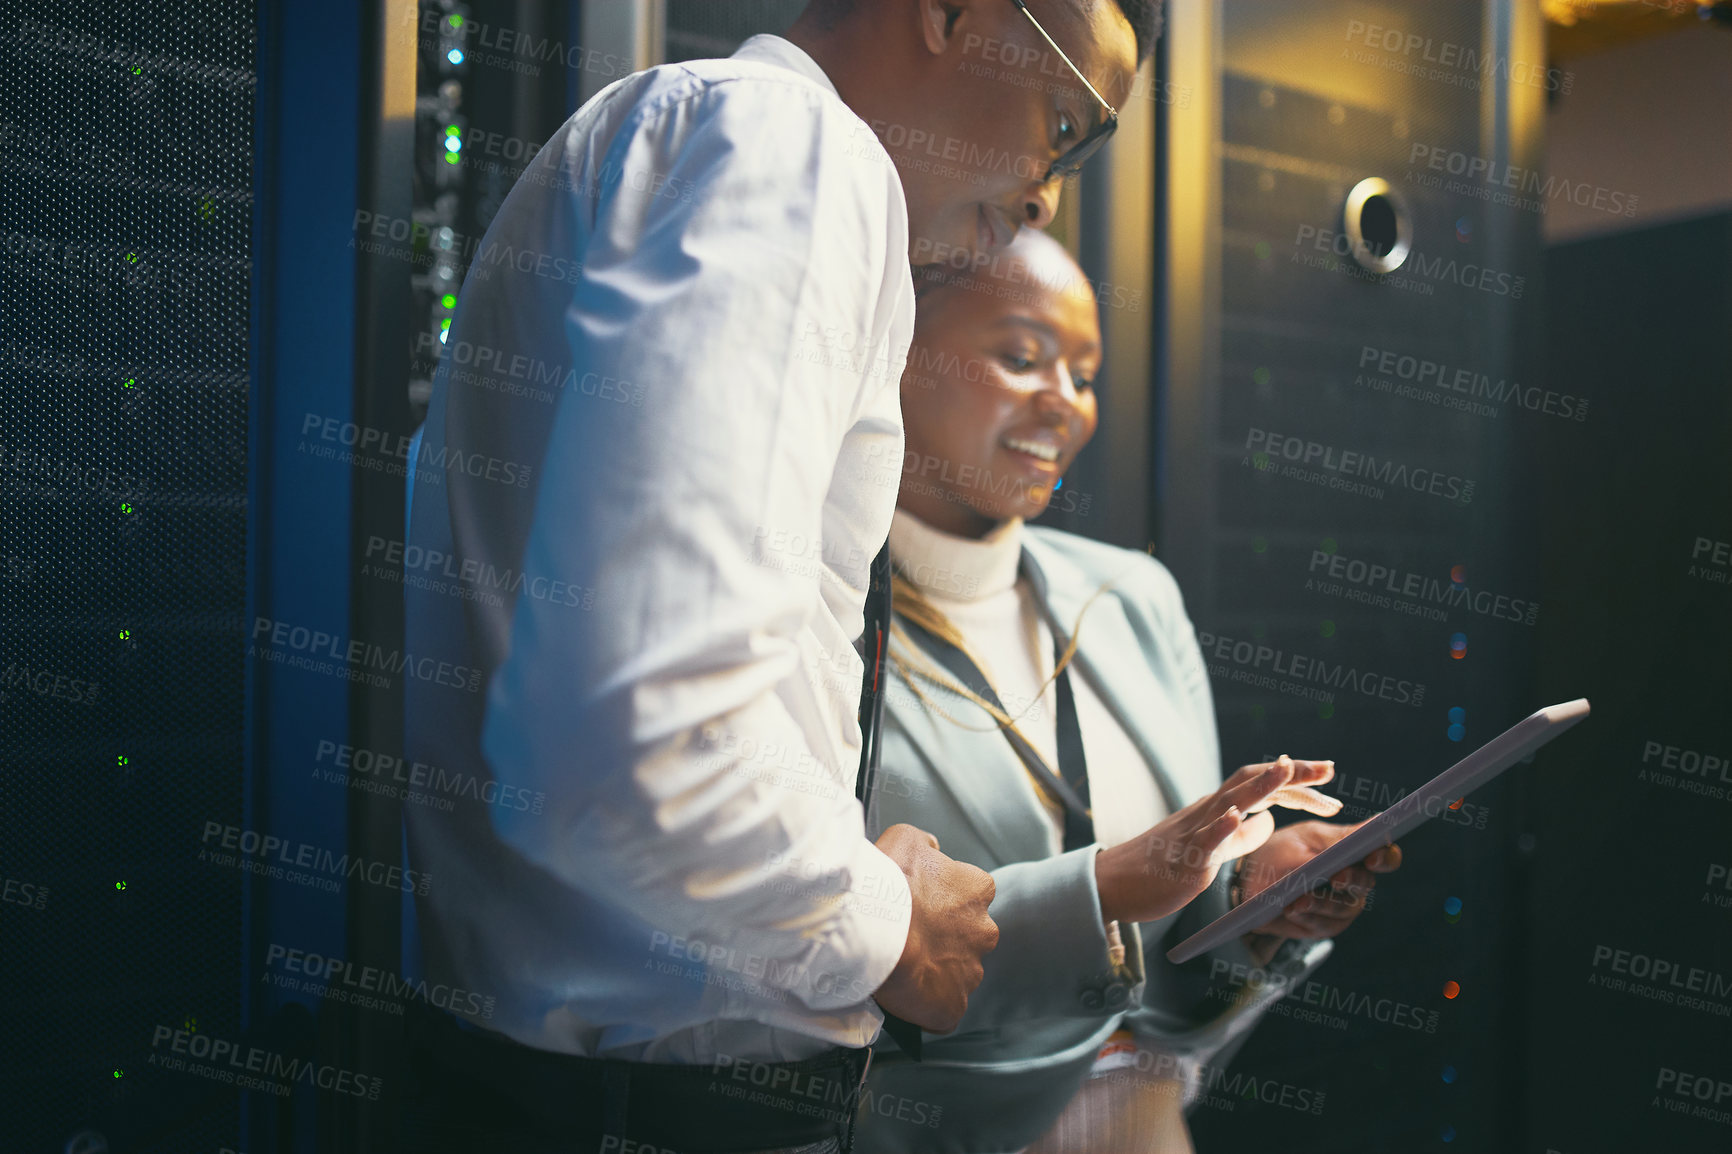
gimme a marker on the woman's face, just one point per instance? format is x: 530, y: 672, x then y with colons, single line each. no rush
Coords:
x: 998, y: 395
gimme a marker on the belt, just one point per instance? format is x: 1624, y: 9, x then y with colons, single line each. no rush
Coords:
x: 581, y: 1103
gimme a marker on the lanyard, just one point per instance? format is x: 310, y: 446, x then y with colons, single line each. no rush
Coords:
x: 874, y: 642
x: 1071, y: 784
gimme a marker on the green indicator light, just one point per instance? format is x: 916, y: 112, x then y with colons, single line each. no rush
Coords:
x: 131, y: 258
x: 121, y: 759
x: 138, y: 72
x: 117, y: 1073
x: 119, y: 885
x: 449, y: 300
x: 1328, y: 545
x: 1259, y: 545
x: 445, y: 324
x: 1327, y: 629
x: 455, y: 20
x: 1262, y: 250
x: 1326, y: 711
x: 125, y: 507
x: 126, y: 634
x: 453, y: 130
x: 1260, y: 375
x: 128, y: 382
x: 450, y: 158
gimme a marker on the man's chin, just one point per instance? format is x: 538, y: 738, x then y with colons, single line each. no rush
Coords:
x: 955, y: 243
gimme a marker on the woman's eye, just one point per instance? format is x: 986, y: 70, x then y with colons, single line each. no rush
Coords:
x: 1066, y: 127
x: 1083, y: 384
x: 1019, y: 363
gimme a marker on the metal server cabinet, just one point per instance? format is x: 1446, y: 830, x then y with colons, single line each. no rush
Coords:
x: 1342, y: 373
x: 126, y: 191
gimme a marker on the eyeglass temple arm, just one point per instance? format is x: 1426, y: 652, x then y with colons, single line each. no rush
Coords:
x: 1111, y: 111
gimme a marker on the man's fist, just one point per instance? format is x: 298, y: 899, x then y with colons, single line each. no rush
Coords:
x: 947, y: 933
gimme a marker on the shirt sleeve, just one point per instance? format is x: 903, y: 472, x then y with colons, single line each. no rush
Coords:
x: 670, y: 728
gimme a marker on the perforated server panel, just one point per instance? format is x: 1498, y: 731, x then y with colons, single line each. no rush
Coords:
x: 699, y: 28
x: 1343, y: 512
x: 126, y: 211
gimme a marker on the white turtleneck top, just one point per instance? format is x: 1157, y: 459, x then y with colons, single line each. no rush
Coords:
x: 975, y: 584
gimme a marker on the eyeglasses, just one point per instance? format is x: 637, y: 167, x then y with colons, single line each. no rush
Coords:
x: 1072, y: 160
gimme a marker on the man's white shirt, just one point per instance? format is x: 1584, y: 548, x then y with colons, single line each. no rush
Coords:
x: 662, y: 450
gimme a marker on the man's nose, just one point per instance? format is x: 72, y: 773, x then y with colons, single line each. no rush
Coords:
x: 1040, y: 203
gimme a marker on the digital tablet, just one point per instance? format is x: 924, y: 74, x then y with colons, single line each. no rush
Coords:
x: 1414, y: 810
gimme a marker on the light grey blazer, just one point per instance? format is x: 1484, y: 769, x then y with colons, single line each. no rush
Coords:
x: 1051, y: 997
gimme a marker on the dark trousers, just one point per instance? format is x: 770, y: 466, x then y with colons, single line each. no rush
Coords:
x: 479, y: 1092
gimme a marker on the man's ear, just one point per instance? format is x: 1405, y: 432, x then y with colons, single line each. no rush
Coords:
x: 938, y: 22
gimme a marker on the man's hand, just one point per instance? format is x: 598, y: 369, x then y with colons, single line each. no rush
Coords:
x: 1161, y: 869
x: 947, y: 934
x: 1313, y: 915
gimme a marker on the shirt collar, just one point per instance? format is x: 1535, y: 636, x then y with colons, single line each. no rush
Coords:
x: 955, y: 568
x: 770, y: 49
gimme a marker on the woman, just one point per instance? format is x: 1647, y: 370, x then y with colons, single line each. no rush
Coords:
x: 1050, y: 709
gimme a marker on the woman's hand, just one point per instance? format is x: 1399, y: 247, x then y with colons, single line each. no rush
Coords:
x: 1160, y: 870
x: 1324, y: 913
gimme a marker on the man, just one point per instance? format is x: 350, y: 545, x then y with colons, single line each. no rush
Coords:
x: 662, y: 453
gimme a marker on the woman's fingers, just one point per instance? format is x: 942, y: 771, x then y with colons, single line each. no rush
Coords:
x: 1250, y: 792
x: 1253, y: 831
x: 1303, y: 797
x: 1384, y: 860
x: 1214, y: 835
x: 1304, y: 772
